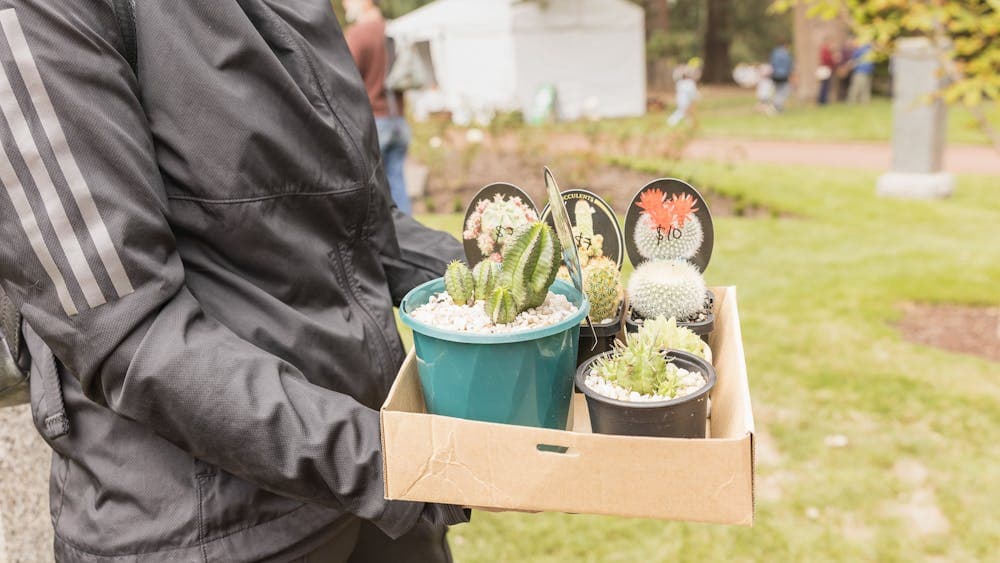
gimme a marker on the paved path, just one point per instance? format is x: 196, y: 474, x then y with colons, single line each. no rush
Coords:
x: 959, y: 159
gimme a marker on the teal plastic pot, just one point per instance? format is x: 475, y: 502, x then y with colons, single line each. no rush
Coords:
x: 523, y: 378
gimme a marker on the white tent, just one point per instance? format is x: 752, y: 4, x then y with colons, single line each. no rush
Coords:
x: 497, y: 54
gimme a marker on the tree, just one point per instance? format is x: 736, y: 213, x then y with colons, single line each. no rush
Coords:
x: 967, y: 32
x: 718, y: 39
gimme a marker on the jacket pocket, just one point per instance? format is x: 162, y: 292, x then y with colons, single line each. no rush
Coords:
x: 47, y: 406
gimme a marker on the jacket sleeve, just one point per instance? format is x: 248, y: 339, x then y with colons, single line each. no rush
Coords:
x: 89, y: 258
x: 423, y: 254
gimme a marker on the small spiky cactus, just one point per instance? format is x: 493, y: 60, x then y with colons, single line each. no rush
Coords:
x: 530, y: 264
x: 501, y: 306
x: 459, y: 284
x: 485, y: 275
x: 602, y: 282
x: 667, y: 288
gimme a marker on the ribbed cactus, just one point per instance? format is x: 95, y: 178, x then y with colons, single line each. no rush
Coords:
x: 459, y: 283
x: 589, y: 245
x: 530, y: 263
x: 602, y: 282
x: 485, y: 275
x: 501, y: 306
x: 667, y: 288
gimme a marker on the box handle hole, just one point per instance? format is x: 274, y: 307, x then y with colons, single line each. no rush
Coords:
x: 561, y: 450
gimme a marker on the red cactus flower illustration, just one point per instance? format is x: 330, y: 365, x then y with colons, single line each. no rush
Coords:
x: 660, y: 211
x: 682, y: 206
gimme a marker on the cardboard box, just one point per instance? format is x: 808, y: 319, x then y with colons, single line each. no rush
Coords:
x: 441, y: 459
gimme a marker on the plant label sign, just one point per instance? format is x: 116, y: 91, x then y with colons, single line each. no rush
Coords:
x: 494, y: 214
x: 669, y: 220
x: 596, y: 230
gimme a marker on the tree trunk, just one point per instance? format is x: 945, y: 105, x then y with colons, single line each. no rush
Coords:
x: 718, y: 36
x: 657, y: 16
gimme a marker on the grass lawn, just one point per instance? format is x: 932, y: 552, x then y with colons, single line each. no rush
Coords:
x: 732, y: 113
x: 819, y: 294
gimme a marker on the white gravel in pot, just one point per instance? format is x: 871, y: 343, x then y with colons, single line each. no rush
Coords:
x: 690, y: 382
x: 443, y: 313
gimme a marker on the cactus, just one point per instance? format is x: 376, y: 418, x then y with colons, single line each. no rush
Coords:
x: 667, y: 229
x: 668, y: 289
x: 485, y: 276
x: 501, y: 306
x: 603, y: 285
x: 530, y: 263
x: 640, y: 366
x: 459, y: 283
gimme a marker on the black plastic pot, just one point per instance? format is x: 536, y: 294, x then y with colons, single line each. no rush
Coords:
x: 678, y: 418
x: 701, y: 328
x: 605, y: 338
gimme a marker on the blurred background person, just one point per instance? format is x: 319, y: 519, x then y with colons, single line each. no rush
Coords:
x: 781, y: 74
x: 366, y: 38
x: 845, y: 68
x: 765, y: 90
x: 828, y: 59
x: 686, y: 91
x: 860, y: 89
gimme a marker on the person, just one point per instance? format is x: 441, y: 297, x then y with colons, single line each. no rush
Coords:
x: 781, y: 74
x: 205, y: 254
x: 686, y: 93
x: 367, y: 40
x: 765, y: 90
x: 860, y: 89
x: 845, y: 68
x: 828, y: 60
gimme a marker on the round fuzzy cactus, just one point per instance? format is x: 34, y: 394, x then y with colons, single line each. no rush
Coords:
x: 459, y: 284
x: 485, y: 275
x: 667, y: 288
x: 501, y: 306
x: 668, y: 228
x: 602, y: 282
x: 656, y: 243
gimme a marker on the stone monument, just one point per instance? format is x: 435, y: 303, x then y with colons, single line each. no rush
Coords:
x: 918, y: 124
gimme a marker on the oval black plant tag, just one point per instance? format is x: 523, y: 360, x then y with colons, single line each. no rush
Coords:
x: 668, y: 219
x: 595, y: 226
x: 493, y: 214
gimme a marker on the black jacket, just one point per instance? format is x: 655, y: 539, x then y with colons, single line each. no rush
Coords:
x: 206, y: 257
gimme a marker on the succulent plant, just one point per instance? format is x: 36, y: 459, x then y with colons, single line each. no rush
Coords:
x: 485, y: 276
x: 602, y: 282
x: 640, y: 366
x: 664, y: 333
x: 667, y: 288
x: 530, y: 263
x: 459, y: 284
x: 501, y: 306
x: 667, y: 229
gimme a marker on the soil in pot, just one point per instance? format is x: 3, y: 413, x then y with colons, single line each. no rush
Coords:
x: 701, y: 324
x: 632, y: 415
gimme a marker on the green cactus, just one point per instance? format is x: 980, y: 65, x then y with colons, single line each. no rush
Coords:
x: 656, y: 243
x: 485, y: 275
x: 602, y: 282
x: 640, y: 366
x: 501, y: 306
x: 459, y: 283
x: 530, y: 263
x: 667, y: 288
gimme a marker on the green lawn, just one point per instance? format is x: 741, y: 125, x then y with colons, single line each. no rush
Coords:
x: 818, y: 296
x: 732, y: 113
